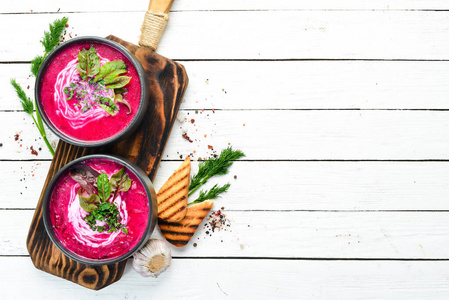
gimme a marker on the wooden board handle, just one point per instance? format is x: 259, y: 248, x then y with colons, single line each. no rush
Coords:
x: 154, y: 23
x: 160, y: 6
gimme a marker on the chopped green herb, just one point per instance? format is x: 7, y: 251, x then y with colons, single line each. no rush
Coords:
x: 100, y: 208
x: 68, y: 91
x: 109, y: 213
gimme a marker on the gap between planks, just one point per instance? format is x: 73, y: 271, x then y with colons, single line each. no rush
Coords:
x: 227, y: 10
x: 286, y: 258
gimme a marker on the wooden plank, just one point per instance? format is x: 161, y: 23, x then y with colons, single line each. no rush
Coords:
x: 294, y: 234
x: 310, y: 34
x: 298, y: 85
x: 21, y: 127
x: 298, y: 185
x: 235, y: 279
x: 115, y: 5
x: 286, y: 135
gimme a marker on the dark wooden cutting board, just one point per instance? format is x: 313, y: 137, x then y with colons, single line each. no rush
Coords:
x: 168, y: 81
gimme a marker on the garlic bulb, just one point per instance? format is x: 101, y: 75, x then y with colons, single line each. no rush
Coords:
x: 153, y: 259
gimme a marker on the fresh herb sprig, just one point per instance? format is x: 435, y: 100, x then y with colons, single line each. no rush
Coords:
x: 28, y: 107
x: 106, y: 76
x: 109, y: 213
x: 98, y: 205
x: 213, y: 193
x: 213, y: 166
x: 49, y: 41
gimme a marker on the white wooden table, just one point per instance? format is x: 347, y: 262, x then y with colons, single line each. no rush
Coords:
x: 342, y: 110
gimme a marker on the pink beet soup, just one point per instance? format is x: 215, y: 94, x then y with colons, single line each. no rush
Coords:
x: 81, y: 117
x: 67, y: 217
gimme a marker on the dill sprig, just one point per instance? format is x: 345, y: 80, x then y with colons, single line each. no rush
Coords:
x: 28, y: 107
x: 36, y: 64
x: 213, y: 193
x: 49, y: 41
x: 26, y: 102
x: 214, y: 166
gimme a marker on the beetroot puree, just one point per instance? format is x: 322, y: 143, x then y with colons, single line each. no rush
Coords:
x: 96, y: 124
x: 72, y: 230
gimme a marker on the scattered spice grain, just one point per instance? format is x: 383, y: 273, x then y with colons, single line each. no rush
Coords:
x: 33, y: 152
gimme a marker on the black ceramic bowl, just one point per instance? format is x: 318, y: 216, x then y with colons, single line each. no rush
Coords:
x: 152, y: 218
x: 144, y: 94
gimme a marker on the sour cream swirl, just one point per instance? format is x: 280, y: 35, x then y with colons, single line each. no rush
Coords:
x: 73, y: 114
x: 82, y: 232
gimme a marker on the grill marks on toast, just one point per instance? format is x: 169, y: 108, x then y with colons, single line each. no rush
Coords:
x: 172, y: 197
x: 179, y: 234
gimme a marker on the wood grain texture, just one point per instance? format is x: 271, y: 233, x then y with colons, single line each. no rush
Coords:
x: 247, y: 279
x: 295, y: 234
x: 299, y: 34
x: 315, y: 185
x: 291, y: 135
x: 25, y: 6
x: 317, y: 85
x: 167, y: 81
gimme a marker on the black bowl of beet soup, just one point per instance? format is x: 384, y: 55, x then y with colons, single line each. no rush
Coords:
x: 91, y: 92
x: 99, y: 209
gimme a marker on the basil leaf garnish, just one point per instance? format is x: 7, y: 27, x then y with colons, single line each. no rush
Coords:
x: 118, y: 82
x: 108, y: 105
x: 86, y: 177
x: 120, y: 91
x: 108, y: 109
x: 126, y: 184
x: 104, y: 189
x: 88, y: 63
x: 120, y: 182
x: 111, y: 108
x: 116, y: 179
x: 110, y: 67
x: 113, y: 76
x: 119, y: 99
x: 88, y: 204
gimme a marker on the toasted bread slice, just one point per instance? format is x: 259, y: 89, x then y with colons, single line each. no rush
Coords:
x: 172, y: 197
x: 179, y: 234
